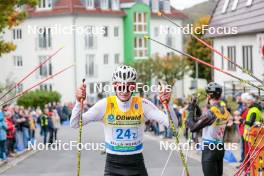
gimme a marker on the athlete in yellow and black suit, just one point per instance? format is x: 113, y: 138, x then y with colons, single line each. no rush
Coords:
x: 213, y: 123
x: 123, y: 116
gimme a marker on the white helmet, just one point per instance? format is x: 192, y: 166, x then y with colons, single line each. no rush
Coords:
x: 125, y: 74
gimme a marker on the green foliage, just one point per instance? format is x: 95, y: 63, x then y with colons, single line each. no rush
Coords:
x: 170, y: 68
x: 4, y: 87
x: 145, y: 70
x: 231, y: 103
x: 201, y: 94
x: 38, y: 98
x: 10, y: 17
x: 197, y: 49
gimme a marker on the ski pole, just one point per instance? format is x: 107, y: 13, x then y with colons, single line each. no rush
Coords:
x: 35, y: 85
x: 207, y: 64
x: 177, y: 141
x: 214, y: 50
x: 80, y: 135
x: 248, y: 157
x: 30, y: 73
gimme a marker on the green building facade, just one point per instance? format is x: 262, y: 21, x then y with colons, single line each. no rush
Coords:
x: 136, y: 26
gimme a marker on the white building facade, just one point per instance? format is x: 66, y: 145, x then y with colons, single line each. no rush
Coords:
x: 92, y: 35
x: 244, y: 47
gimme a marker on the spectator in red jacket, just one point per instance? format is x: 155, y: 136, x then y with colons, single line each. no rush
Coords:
x: 10, y: 134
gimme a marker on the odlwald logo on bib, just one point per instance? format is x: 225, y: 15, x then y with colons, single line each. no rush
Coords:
x: 111, y: 118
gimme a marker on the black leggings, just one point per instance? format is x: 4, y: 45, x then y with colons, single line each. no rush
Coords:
x: 125, y: 165
x: 212, y: 162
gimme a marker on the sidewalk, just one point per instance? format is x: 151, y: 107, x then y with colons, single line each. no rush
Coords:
x: 20, y: 156
x: 229, y: 168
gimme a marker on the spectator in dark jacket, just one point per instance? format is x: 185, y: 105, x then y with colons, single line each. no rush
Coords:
x: 50, y: 127
x: 43, y: 122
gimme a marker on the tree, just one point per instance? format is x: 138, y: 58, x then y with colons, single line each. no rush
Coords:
x: 38, y: 98
x: 10, y: 16
x: 197, y: 49
x: 167, y: 68
x: 170, y: 68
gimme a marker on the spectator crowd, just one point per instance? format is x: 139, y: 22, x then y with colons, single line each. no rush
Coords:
x: 18, y: 126
x: 244, y: 102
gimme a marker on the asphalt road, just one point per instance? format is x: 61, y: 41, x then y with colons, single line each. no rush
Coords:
x: 63, y: 163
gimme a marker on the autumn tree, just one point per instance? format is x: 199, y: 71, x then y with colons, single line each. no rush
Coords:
x: 197, y: 49
x: 168, y: 68
x: 11, y: 15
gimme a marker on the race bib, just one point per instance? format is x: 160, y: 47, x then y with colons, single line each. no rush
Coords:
x: 125, y: 134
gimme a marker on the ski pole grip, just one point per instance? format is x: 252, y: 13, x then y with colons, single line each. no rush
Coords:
x: 83, y: 81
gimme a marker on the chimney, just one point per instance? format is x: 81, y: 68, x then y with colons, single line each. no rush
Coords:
x: 155, y: 6
x: 166, y: 6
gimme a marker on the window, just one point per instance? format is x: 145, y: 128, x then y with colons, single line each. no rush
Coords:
x: 234, y: 5
x: 169, y: 39
x: 17, y: 34
x: 225, y: 6
x: 90, y: 65
x: 117, y: 61
x: 106, y: 30
x: 46, y: 87
x: 231, y: 53
x: 44, y: 37
x: 156, y: 31
x: 90, y: 39
x: 115, y: 4
x: 166, y: 7
x: 247, y: 55
x: 89, y: 4
x: 104, y: 4
x: 116, y: 31
x: 91, y: 88
x: 155, y: 6
x: 19, y: 88
x: 46, y: 69
x: 222, y: 60
x: 140, y: 22
x: 18, y: 62
x: 106, y: 56
x: 249, y: 2
x: 44, y: 4
x: 140, y: 47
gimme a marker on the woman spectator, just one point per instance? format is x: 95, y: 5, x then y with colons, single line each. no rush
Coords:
x: 32, y: 125
x: 56, y: 123
x: 50, y: 127
x: 25, y: 127
x: 10, y: 134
